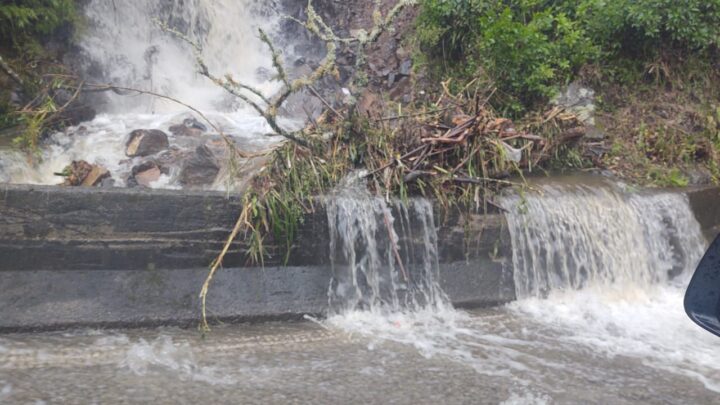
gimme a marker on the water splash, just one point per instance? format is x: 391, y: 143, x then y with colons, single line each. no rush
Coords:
x: 122, y: 45
x: 143, y: 357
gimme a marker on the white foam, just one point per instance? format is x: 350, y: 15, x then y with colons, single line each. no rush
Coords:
x: 143, y: 357
x: 124, y: 46
x: 102, y: 142
x: 647, y: 324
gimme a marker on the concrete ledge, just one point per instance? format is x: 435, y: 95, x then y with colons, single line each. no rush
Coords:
x: 88, y: 257
x: 57, y: 299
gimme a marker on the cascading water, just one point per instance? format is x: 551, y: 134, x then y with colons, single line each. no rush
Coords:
x: 123, y: 45
x: 596, y: 268
x: 381, y: 264
x: 572, y: 238
x: 607, y: 269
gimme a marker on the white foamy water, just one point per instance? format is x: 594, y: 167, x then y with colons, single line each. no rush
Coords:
x: 145, y: 357
x: 102, y: 142
x: 126, y: 47
x: 600, y: 273
x: 122, y: 45
x: 645, y: 324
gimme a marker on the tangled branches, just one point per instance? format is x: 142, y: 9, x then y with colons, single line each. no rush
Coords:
x: 269, y: 108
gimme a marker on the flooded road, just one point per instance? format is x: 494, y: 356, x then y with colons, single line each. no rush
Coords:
x: 527, y: 353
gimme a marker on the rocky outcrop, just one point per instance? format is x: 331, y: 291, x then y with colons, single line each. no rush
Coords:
x: 580, y: 101
x: 146, y: 142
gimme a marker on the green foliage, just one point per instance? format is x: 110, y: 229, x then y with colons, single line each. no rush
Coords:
x: 641, y: 28
x: 668, y: 177
x: 529, y: 47
x: 528, y: 52
x: 20, y: 18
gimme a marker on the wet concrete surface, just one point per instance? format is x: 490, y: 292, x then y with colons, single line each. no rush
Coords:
x: 499, y: 361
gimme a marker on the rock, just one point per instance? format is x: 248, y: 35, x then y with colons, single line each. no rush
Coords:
x: 107, y: 182
x: 144, y: 142
x: 699, y: 176
x: 16, y: 99
x: 406, y: 67
x: 579, y: 100
x: 96, y: 176
x: 369, y: 105
x: 82, y: 173
x: 595, y: 134
x: 77, y: 110
x: 200, y: 169
x: 195, y: 124
x: 144, y: 174
x: 189, y: 127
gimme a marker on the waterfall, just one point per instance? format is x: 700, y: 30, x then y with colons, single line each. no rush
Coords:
x: 573, y: 237
x: 384, y: 255
x: 124, y: 45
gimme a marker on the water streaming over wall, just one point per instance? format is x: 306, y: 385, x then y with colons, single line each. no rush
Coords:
x: 573, y: 237
x: 599, y: 271
x: 605, y: 335
x: 384, y: 255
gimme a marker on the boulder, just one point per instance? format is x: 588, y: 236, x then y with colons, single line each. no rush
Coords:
x: 200, y: 169
x: 76, y: 109
x: 146, y: 142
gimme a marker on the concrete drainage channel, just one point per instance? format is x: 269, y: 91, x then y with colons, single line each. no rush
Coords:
x: 74, y: 257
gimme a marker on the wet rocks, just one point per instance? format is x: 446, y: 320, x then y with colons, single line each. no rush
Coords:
x: 189, y: 127
x: 146, y: 142
x: 200, y: 169
x: 76, y: 109
x: 84, y: 174
x: 145, y: 174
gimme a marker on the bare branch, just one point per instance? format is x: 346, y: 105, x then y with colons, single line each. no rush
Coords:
x: 8, y: 70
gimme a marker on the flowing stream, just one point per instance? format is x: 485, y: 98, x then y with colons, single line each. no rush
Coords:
x: 123, y: 45
x: 600, y: 273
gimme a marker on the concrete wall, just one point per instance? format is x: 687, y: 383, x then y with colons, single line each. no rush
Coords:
x: 115, y: 257
x: 90, y: 257
x: 705, y: 203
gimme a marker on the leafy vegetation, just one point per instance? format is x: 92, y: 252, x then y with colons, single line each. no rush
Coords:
x: 24, y: 26
x: 529, y: 47
x: 23, y: 20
